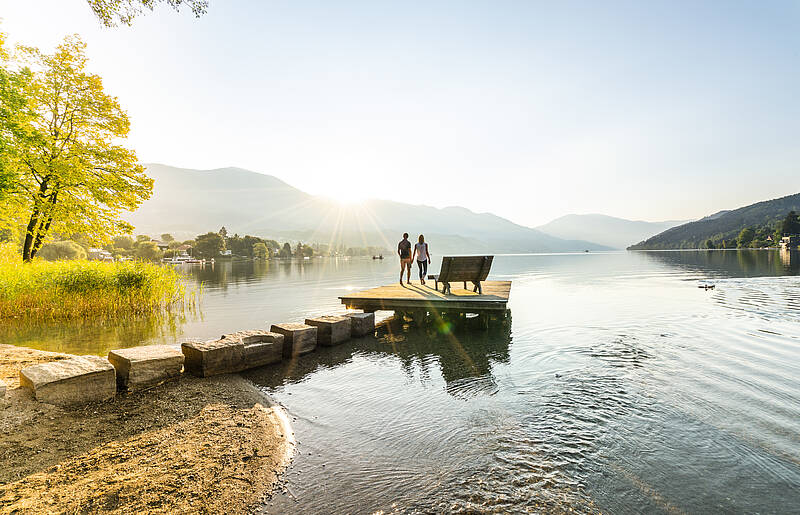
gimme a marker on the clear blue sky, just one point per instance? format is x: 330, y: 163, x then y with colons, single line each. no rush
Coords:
x: 531, y: 110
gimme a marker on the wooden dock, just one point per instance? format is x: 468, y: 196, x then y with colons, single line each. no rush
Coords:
x: 415, y: 297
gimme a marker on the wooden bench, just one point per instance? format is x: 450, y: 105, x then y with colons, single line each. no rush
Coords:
x: 463, y: 268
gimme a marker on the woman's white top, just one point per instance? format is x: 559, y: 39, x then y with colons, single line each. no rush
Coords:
x: 421, y: 249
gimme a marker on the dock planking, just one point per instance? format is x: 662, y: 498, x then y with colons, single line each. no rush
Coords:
x: 418, y: 297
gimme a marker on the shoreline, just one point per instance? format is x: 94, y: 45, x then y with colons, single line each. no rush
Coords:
x: 208, y: 445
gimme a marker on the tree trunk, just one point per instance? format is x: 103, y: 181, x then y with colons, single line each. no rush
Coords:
x: 29, y: 234
x: 42, y: 232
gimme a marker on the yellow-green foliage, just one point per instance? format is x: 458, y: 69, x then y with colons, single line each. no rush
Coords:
x: 74, y: 289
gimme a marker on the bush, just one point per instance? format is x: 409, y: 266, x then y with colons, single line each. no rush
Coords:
x: 59, y: 250
x: 75, y: 289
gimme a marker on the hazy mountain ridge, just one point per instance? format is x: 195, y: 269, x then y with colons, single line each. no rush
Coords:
x: 189, y: 202
x: 722, y: 225
x: 610, y: 231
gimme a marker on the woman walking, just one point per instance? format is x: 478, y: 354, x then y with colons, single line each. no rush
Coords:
x: 423, y: 257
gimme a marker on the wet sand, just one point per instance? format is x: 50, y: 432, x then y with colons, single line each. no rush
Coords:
x: 192, y: 445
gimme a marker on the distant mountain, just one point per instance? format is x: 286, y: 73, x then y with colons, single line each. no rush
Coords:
x: 612, y: 232
x: 723, y: 225
x: 190, y: 202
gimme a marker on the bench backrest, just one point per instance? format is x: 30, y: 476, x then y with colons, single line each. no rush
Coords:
x: 465, y: 268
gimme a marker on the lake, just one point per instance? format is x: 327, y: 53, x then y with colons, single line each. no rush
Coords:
x: 618, y: 385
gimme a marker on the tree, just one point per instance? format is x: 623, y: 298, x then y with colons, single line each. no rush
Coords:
x: 209, y: 245
x: 148, y: 250
x: 260, y: 251
x: 142, y: 238
x: 70, y: 173
x: 286, y: 251
x: 14, y: 112
x: 790, y: 224
x: 273, y: 246
x: 709, y: 244
x: 167, y: 238
x: 746, y: 237
x: 123, y: 242
x: 62, y: 250
x: 223, y: 232
x: 113, y: 12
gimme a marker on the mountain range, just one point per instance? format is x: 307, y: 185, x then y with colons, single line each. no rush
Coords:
x: 724, y: 225
x: 616, y: 233
x: 190, y: 202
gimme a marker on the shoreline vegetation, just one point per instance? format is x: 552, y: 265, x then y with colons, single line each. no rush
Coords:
x: 90, y: 289
x: 195, y: 445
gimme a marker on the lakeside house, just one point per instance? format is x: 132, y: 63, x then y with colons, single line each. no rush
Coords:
x: 790, y: 242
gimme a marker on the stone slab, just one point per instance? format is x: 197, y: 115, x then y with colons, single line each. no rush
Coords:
x: 78, y: 380
x: 331, y: 329
x: 362, y: 324
x: 298, y: 338
x: 213, y: 357
x: 260, y: 347
x: 146, y: 366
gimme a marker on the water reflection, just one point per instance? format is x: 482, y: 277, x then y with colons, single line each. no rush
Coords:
x: 731, y: 263
x: 95, y: 336
x: 464, y: 355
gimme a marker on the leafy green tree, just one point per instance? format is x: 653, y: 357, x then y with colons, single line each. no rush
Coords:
x: 14, y: 112
x: 59, y: 250
x: 123, y: 242
x: 273, y: 246
x: 167, y: 238
x: 223, y: 232
x: 209, y: 245
x: 71, y: 175
x: 709, y: 244
x: 286, y: 251
x: 114, y: 12
x: 260, y: 251
x: 790, y: 224
x: 142, y: 238
x: 148, y: 250
x: 745, y: 237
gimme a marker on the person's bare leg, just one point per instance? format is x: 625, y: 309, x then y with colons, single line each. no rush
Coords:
x: 408, y: 268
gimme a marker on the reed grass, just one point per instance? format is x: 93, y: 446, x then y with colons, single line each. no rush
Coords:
x: 89, y: 289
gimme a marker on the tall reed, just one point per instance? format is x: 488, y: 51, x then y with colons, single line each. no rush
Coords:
x: 81, y: 289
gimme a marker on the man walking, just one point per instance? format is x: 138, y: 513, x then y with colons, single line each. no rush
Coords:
x: 404, y: 251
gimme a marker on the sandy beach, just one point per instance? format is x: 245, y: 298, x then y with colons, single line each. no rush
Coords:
x: 201, y: 445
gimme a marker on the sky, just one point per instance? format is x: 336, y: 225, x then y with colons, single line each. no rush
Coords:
x: 530, y: 110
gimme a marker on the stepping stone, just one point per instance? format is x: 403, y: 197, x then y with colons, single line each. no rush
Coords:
x: 78, y: 380
x: 213, y: 357
x: 143, y: 367
x: 260, y: 347
x: 362, y: 324
x: 298, y: 338
x: 331, y: 330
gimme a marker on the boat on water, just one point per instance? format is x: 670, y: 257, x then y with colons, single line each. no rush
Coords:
x: 378, y: 257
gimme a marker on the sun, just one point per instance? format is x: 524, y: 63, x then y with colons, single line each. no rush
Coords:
x: 345, y: 197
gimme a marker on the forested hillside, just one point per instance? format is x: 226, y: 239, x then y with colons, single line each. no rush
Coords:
x: 723, y: 231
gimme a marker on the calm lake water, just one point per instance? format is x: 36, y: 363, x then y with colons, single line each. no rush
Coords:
x: 618, y: 385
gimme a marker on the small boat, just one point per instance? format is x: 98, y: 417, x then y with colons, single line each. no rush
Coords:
x: 378, y: 257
